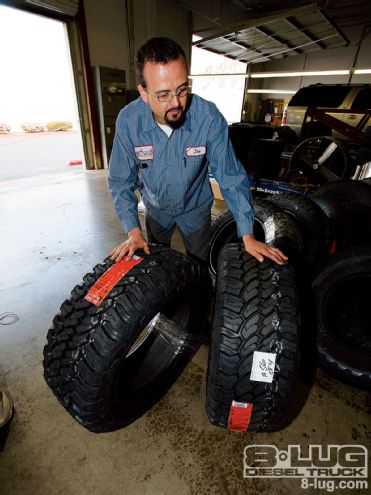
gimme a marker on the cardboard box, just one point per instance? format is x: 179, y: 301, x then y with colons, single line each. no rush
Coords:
x: 216, y: 189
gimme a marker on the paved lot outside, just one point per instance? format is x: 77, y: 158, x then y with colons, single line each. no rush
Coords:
x: 25, y: 155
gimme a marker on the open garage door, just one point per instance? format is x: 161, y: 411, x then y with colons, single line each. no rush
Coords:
x: 72, y: 13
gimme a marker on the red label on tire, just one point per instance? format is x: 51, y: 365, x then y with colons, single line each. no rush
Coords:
x: 109, y: 279
x: 239, y: 416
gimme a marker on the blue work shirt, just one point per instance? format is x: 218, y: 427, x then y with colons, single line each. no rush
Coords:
x: 172, y: 172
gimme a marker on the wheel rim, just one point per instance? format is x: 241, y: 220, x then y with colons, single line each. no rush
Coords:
x: 320, y: 159
x: 153, y: 352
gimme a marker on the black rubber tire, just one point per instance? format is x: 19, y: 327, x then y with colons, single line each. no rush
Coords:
x: 271, y: 225
x: 348, y: 207
x: 350, y: 223
x: 347, y: 192
x: 338, y: 218
x: 341, y: 291
x: 313, y: 225
x: 90, y: 361
x: 256, y: 309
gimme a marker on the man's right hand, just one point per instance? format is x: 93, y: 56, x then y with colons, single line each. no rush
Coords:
x: 127, y: 248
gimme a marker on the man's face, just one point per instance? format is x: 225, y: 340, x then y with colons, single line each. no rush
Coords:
x: 161, y: 79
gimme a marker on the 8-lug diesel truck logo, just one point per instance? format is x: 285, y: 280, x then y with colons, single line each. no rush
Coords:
x: 313, y: 461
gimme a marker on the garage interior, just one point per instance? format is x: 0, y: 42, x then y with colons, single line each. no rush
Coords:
x: 55, y: 231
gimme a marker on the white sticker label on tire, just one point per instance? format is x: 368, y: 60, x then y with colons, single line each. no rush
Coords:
x: 263, y: 364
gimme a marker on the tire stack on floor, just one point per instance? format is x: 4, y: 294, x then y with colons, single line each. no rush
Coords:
x: 255, y: 342
x: 109, y: 363
x: 342, y: 283
x: 327, y: 237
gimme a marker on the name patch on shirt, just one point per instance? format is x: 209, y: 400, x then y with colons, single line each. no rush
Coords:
x: 196, y: 150
x: 144, y: 152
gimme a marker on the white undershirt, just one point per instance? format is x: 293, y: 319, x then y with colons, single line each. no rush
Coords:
x: 166, y: 128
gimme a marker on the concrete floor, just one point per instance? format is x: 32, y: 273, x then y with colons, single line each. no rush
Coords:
x: 53, y: 231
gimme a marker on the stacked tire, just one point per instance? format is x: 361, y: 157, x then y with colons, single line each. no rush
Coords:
x: 331, y: 262
x: 342, y: 283
x: 347, y: 204
x: 109, y: 364
x: 271, y: 225
x: 257, y: 313
x: 342, y: 290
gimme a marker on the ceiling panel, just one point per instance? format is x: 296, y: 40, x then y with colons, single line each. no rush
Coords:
x: 270, y: 38
x: 255, y: 31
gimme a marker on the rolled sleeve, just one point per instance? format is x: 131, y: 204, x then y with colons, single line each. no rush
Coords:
x: 123, y: 179
x: 231, y: 177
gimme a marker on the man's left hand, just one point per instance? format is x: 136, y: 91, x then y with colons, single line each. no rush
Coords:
x: 260, y: 250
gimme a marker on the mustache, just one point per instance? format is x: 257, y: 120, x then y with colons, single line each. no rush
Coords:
x: 179, y: 107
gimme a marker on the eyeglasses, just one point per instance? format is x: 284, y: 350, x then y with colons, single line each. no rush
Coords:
x: 166, y: 97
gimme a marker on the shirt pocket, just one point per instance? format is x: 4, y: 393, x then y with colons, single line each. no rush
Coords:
x: 146, y: 172
x: 193, y: 168
x: 194, y: 162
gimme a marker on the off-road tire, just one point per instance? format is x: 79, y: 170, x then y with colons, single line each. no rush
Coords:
x: 91, y: 363
x: 256, y: 309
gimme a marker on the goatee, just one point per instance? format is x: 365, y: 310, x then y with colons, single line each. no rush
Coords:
x: 175, y: 124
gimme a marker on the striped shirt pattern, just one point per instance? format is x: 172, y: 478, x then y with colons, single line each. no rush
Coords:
x: 172, y: 172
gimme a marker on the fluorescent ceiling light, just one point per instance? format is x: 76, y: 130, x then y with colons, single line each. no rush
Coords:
x: 243, y: 74
x: 305, y: 73
x: 362, y: 71
x: 256, y: 75
x: 281, y: 91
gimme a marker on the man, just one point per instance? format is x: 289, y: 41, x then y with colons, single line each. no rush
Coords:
x: 163, y: 144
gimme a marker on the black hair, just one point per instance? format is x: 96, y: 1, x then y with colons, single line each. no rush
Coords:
x: 157, y: 50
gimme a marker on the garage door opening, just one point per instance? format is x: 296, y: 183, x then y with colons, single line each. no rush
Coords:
x: 39, y: 122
